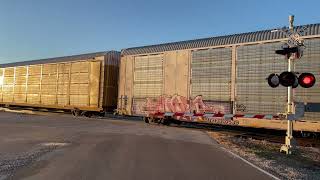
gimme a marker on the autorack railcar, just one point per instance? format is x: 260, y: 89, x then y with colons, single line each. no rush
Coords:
x: 219, y: 80
x: 80, y: 83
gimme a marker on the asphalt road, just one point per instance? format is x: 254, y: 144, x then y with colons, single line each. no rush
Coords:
x: 57, y: 146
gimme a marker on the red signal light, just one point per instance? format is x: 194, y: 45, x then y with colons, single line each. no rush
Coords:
x: 307, y: 80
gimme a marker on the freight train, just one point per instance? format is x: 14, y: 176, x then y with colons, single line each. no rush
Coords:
x: 218, y: 80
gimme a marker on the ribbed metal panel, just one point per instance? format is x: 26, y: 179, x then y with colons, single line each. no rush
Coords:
x: 310, y: 62
x: 1, y: 82
x: 20, y: 85
x: 313, y: 29
x: 56, y: 84
x: 253, y: 94
x: 34, y: 78
x: 148, y: 76
x: 8, y: 84
x: 211, y: 74
x: 256, y: 62
x: 87, y: 81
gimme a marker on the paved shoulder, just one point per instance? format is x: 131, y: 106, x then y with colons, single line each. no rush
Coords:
x: 127, y: 156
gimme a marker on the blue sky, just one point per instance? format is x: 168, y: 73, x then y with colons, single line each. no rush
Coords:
x: 34, y: 29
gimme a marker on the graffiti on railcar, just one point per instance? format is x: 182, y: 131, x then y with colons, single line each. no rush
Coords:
x: 181, y: 104
x: 223, y: 121
x: 241, y: 108
x: 139, y: 107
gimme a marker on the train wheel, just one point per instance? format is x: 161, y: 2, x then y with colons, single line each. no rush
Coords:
x: 146, y: 120
x: 86, y: 114
x: 177, y: 122
x: 152, y: 120
x: 305, y: 134
x: 73, y: 112
x: 83, y: 113
x: 76, y: 112
x: 165, y: 121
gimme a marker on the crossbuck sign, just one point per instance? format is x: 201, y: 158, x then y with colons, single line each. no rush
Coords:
x: 294, y: 36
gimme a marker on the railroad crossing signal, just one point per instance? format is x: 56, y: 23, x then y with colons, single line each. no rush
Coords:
x: 287, y: 79
x: 292, y: 50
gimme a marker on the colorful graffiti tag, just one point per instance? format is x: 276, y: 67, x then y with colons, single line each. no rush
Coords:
x: 181, y: 104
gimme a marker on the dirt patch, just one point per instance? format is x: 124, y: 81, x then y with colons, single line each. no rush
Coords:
x: 304, y: 163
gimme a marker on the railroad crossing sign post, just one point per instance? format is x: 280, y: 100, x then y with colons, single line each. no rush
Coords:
x: 287, y: 148
x: 293, y: 50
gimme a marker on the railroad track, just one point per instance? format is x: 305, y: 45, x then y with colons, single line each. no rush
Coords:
x: 270, y: 135
x: 301, y: 141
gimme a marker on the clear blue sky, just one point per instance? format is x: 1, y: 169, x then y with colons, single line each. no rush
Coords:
x: 33, y: 29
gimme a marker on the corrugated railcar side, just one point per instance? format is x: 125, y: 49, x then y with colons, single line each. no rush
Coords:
x: 217, y: 75
x: 86, y: 82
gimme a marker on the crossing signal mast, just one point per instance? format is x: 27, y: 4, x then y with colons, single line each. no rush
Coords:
x: 292, y: 50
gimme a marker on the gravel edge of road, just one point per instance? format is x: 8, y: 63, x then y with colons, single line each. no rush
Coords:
x: 280, y: 165
x: 9, y: 165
